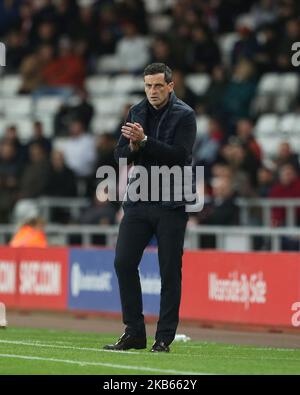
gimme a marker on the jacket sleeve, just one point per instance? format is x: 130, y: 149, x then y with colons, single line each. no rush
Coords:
x: 122, y: 149
x: 181, y: 149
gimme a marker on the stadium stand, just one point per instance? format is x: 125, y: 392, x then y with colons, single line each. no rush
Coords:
x: 235, y: 58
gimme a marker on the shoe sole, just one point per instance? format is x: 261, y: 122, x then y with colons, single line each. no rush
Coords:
x: 125, y: 349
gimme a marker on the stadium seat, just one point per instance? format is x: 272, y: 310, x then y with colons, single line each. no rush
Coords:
x: 269, y: 84
x: 134, y: 99
x: 157, y: 6
x: 198, y: 83
x: 269, y: 144
x: 110, y: 105
x: 295, y: 143
x: 102, y: 125
x: 108, y: 64
x: 287, y: 124
x: 262, y: 104
x: 17, y: 106
x: 289, y: 83
x: 126, y: 84
x: 47, y: 105
x: 2, y: 126
x: 202, y: 125
x: 226, y: 43
x: 98, y: 85
x: 282, y: 103
x: 267, y: 125
x: 296, y: 128
x: 10, y: 85
x: 160, y: 23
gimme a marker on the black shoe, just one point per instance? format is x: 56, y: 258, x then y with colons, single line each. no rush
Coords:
x: 160, y: 346
x: 126, y: 342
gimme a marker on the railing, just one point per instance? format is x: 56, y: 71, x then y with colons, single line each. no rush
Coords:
x: 230, y: 238
x: 76, y: 205
x: 237, y: 238
x: 266, y: 205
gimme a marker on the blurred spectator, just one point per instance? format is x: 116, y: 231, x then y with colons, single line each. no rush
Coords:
x: 206, y: 147
x: 64, y: 73
x: 39, y: 137
x: 31, y: 226
x: 16, y: 50
x: 83, y: 28
x: 285, y: 155
x: 264, y: 12
x: 203, y: 51
x: 244, y: 131
x: 219, y: 210
x: 31, y: 68
x: 11, y: 135
x: 182, y: 91
x: 267, y: 42
x: 213, y: 97
x: 222, y: 209
x: 109, y: 31
x: 288, y: 186
x: 222, y: 170
x: 25, y: 19
x: 246, y: 46
x: 289, y: 37
x: 34, y: 179
x: 9, y: 12
x: 243, y: 164
x: 117, y: 131
x: 79, y: 108
x: 45, y: 33
x: 79, y: 150
x: 99, y: 213
x: 9, y: 176
x: 180, y: 38
x: 66, y: 12
x: 240, y: 91
x: 161, y: 52
x: 105, y: 145
x: 265, y: 181
x: 132, y: 50
x: 133, y: 11
x: 61, y: 180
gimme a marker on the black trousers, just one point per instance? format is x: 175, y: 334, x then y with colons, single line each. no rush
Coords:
x: 139, y: 224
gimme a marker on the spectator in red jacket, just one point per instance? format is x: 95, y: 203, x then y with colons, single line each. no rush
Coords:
x: 67, y: 70
x: 288, y: 186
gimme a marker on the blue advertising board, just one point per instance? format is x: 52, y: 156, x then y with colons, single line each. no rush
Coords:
x: 93, y: 285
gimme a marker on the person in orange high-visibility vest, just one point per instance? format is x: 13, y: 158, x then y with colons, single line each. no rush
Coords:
x: 29, y: 235
x: 31, y: 231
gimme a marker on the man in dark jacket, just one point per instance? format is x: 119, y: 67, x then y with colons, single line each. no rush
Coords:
x: 159, y: 131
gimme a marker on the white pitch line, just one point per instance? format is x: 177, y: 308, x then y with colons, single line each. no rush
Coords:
x: 108, y: 365
x: 37, y: 344
x: 172, y: 354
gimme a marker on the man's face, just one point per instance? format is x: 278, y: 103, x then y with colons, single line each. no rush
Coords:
x: 157, y: 89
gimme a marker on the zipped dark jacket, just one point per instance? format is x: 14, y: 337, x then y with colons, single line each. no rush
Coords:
x: 172, y: 144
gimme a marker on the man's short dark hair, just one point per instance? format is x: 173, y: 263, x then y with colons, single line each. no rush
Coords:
x: 158, y: 68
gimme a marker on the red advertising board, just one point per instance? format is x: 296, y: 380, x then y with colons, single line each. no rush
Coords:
x: 43, y: 278
x: 8, y: 276
x: 243, y: 288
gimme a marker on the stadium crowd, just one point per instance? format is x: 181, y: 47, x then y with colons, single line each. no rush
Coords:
x: 55, y: 45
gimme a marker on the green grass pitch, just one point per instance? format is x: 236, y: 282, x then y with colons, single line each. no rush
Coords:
x: 53, y: 352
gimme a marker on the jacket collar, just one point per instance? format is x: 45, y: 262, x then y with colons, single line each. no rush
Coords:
x: 140, y: 109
